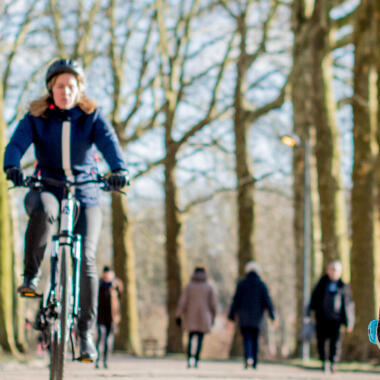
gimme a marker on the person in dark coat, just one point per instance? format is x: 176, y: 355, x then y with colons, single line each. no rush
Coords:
x: 110, y: 290
x: 332, y: 304
x: 197, y: 308
x: 65, y: 126
x: 250, y: 301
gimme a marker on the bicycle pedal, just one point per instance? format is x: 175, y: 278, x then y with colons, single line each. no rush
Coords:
x: 85, y: 360
x: 30, y: 295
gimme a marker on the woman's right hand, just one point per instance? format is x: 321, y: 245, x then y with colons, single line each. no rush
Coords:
x: 15, y: 175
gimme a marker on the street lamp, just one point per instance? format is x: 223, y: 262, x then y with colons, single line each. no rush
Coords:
x: 295, y: 141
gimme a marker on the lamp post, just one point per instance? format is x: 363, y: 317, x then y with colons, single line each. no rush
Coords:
x: 306, y: 284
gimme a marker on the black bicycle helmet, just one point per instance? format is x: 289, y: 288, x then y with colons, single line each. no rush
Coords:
x: 63, y: 66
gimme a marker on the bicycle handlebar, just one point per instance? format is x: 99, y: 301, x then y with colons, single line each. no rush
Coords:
x: 35, y: 183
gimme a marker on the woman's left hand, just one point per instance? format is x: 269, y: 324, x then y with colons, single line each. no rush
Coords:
x: 118, y: 179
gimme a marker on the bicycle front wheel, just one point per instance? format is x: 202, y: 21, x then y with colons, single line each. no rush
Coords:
x: 59, y: 334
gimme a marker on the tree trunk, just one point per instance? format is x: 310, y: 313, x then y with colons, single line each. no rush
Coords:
x: 245, y: 207
x: 244, y: 172
x: 363, y: 274
x: 18, y: 255
x: 128, y: 337
x: 300, y: 95
x: 377, y: 65
x: 245, y: 194
x: 175, y: 257
x: 7, y: 337
x: 332, y: 202
x: 317, y: 254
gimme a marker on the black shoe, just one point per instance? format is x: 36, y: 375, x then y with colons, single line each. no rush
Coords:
x: 332, y: 367
x: 105, y: 365
x: 29, y: 287
x: 88, y: 351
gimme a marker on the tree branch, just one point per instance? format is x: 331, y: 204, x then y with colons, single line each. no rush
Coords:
x: 347, y: 39
x: 142, y: 71
x: 211, y: 108
x: 252, y: 116
x: 56, y: 15
x: 251, y: 58
x: 347, y: 19
x: 20, y: 36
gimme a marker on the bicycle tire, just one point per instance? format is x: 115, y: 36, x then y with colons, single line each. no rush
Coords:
x: 53, y: 354
x: 60, y: 330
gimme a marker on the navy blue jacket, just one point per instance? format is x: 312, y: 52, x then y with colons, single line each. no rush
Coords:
x: 87, y: 131
x: 250, y: 301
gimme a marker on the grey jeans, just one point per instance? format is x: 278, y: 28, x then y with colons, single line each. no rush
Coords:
x: 43, y: 211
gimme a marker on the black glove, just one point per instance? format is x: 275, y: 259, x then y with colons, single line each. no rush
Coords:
x: 15, y: 175
x: 178, y: 321
x: 118, y: 179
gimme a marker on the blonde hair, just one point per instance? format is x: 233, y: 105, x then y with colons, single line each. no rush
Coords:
x: 40, y: 106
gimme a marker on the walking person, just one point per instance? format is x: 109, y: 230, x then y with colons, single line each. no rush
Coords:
x: 110, y: 290
x: 333, y: 307
x: 65, y: 126
x: 249, y: 303
x: 197, y: 308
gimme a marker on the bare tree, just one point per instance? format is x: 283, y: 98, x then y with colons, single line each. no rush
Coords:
x: 246, y: 114
x: 301, y: 102
x: 176, y: 78
x: 332, y: 200
x: 377, y: 64
x: 314, y: 112
x: 11, y: 46
x: 6, y: 279
x: 121, y: 51
x: 364, y: 223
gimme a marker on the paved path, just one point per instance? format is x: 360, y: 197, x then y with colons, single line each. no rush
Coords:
x: 123, y: 367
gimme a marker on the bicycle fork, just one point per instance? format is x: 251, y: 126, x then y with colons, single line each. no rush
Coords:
x: 76, y: 258
x: 76, y: 262
x: 74, y: 243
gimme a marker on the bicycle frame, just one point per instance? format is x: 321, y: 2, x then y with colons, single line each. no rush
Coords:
x: 65, y: 237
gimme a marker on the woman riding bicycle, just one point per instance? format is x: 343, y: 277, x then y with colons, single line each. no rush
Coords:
x: 65, y: 126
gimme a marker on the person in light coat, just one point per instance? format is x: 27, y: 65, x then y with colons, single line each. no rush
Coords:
x: 197, y: 309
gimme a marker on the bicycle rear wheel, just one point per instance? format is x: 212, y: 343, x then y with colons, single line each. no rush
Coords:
x: 59, y: 335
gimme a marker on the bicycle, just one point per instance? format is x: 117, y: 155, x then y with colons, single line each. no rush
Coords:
x: 58, y: 315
